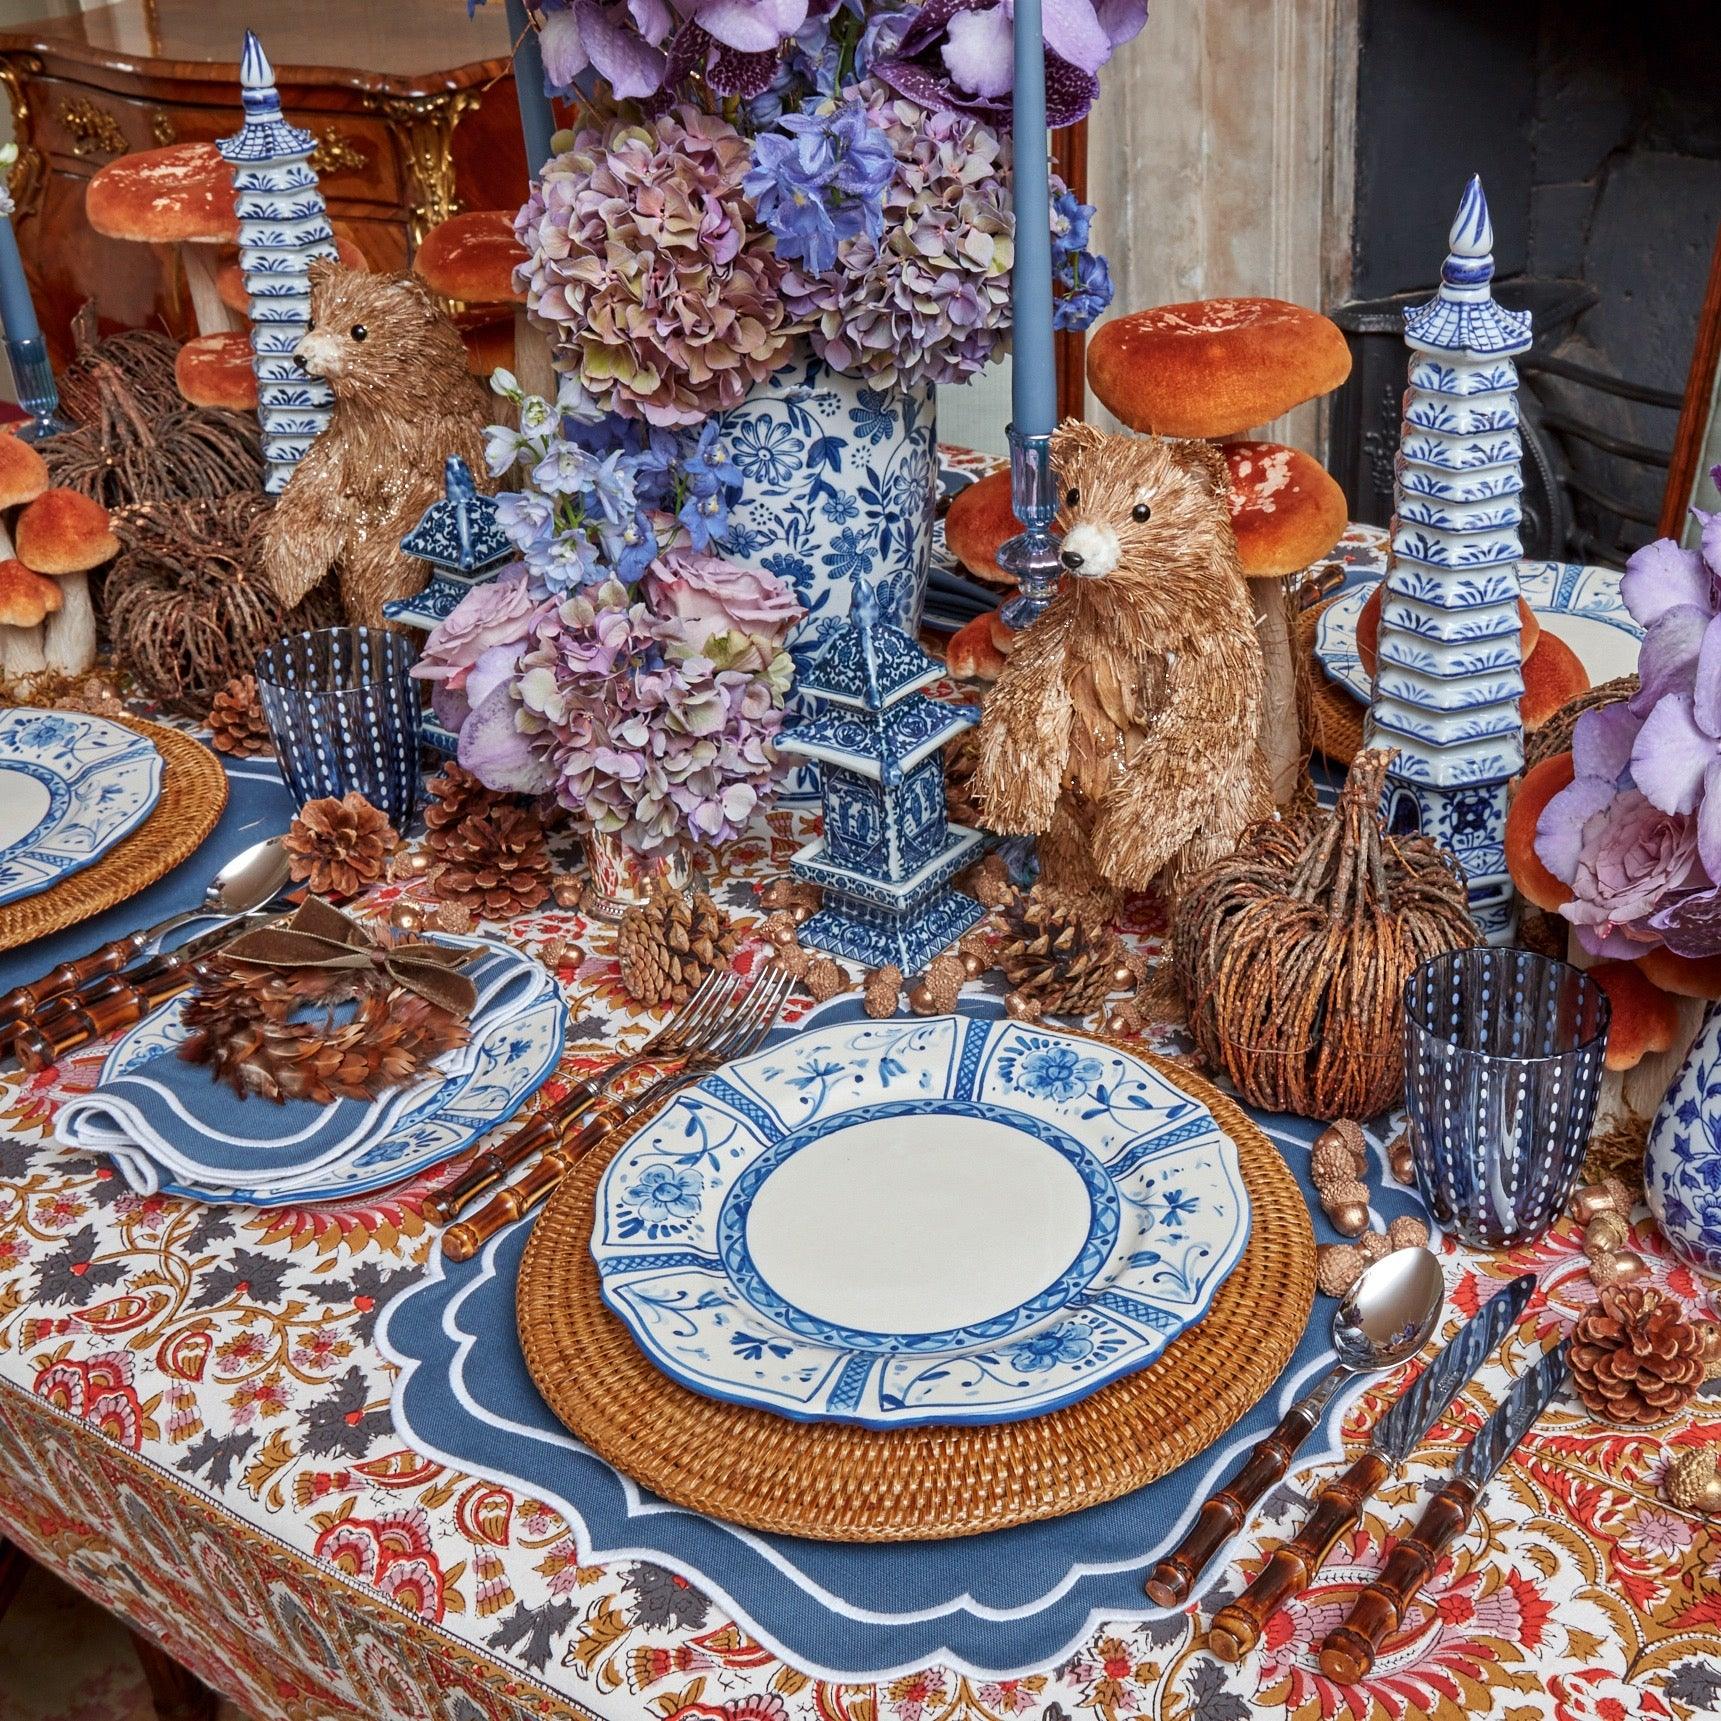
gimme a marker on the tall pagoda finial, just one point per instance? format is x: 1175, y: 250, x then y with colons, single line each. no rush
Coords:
x: 1462, y: 317
x: 265, y: 135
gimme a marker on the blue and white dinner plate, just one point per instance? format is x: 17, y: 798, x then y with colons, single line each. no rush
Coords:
x: 897, y: 1223
x: 71, y: 786
x: 513, y: 1060
x: 1580, y: 604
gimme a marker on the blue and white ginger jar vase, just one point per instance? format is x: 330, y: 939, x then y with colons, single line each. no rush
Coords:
x: 839, y: 485
x: 1682, y: 1164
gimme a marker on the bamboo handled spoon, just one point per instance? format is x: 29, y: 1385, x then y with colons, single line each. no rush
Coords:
x: 1383, y: 1319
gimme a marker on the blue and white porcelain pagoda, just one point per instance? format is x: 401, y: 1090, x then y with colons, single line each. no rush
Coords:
x: 888, y: 852
x: 460, y: 539
x: 283, y: 227
x: 1449, y: 675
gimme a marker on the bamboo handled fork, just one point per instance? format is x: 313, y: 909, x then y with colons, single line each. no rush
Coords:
x: 694, y: 1025
x: 751, y: 1017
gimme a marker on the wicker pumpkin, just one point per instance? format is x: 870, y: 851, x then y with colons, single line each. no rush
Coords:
x: 1293, y: 952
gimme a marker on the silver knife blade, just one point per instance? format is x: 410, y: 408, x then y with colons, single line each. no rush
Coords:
x: 1498, y: 1437
x: 1399, y: 1432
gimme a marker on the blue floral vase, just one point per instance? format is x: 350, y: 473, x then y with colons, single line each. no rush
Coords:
x: 1682, y: 1164
x: 840, y: 483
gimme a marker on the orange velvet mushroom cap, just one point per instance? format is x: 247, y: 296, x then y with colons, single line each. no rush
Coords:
x: 1286, y: 509
x: 23, y: 472
x: 1683, y: 976
x: 183, y: 192
x: 1368, y: 629
x: 215, y: 370
x: 1643, y: 1018
x: 979, y: 523
x: 26, y: 598
x: 977, y: 649
x: 489, y: 346
x: 230, y: 277
x: 471, y: 257
x: 1535, y: 789
x: 64, y: 532
x: 1214, y: 367
x: 1553, y: 674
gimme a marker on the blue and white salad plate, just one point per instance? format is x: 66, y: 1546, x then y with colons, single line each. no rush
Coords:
x: 898, y: 1223
x: 509, y: 1063
x: 1579, y: 604
x: 71, y: 786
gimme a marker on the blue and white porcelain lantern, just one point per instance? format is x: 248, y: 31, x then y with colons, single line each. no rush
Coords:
x: 457, y: 535
x: 888, y: 852
x: 283, y: 228
x: 1449, y: 674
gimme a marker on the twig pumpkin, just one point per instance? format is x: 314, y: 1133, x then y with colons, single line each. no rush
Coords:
x: 1293, y: 952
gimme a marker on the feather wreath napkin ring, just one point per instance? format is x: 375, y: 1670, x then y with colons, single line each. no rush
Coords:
x: 317, y: 1009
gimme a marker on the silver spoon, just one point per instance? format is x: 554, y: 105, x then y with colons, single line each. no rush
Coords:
x: 253, y: 877
x: 1382, y: 1320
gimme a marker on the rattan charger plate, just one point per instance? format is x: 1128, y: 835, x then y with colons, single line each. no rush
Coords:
x: 841, y: 1482
x: 1332, y: 720
x: 193, y: 794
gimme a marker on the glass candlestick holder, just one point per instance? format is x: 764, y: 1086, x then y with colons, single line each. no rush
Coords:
x: 38, y: 394
x: 1032, y: 555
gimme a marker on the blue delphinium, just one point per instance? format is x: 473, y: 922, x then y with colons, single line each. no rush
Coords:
x: 819, y: 178
x: 1081, y: 279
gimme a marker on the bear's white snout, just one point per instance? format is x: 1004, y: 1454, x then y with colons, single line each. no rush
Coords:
x: 320, y: 353
x: 1090, y: 551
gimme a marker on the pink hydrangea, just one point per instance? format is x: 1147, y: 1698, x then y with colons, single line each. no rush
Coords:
x: 662, y: 295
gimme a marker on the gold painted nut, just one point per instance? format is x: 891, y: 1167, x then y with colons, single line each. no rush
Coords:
x: 1606, y: 1234
x: 1348, y: 1218
x: 1338, y: 1266
x: 1622, y: 1268
x: 1407, y: 1232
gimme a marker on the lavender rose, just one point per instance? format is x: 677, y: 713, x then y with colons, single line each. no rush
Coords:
x: 496, y: 613
x: 709, y: 596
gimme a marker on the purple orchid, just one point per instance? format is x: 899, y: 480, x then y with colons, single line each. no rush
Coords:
x: 620, y: 40
x: 958, y: 54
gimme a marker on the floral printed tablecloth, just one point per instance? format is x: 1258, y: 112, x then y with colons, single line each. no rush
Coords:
x: 195, y: 1430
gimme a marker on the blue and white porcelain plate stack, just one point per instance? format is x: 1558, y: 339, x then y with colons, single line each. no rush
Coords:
x: 952, y: 1220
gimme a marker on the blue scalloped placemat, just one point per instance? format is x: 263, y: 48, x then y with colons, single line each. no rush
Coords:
x: 995, y: 1604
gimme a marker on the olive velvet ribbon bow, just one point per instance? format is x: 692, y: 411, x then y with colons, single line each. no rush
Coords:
x: 319, y: 936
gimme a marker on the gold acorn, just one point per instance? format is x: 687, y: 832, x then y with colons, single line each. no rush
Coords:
x: 1338, y: 1266
x: 1709, y: 1338
x: 1606, y: 1234
x: 1691, y: 1481
x: 1608, y: 1196
x: 1623, y: 1267
x: 1402, y: 1160
x: 1373, y: 1246
x: 1348, y: 1218
x: 407, y: 916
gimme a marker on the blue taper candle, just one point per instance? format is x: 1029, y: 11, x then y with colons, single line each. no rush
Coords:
x: 1033, y: 373
x: 537, y: 121
x: 17, y: 310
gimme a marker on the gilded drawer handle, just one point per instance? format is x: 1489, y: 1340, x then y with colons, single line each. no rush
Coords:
x: 336, y: 154
x: 92, y: 129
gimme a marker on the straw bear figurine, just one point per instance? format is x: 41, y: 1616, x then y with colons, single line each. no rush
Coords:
x: 1123, y: 730
x: 404, y: 402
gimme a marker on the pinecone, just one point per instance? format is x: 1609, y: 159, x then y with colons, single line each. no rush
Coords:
x: 1054, y: 958
x: 236, y: 721
x: 670, y: 943
x: 339, y: 846
x: 451, y: 795
x: 960, y: 757
x: 1635, y: 1357
x: 495, y: 862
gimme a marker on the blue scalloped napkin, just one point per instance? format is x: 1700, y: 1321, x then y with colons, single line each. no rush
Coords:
x: 171, y: 1121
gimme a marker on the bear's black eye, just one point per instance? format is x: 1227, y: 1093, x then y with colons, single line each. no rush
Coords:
x: 1141, y: 513
x: 1071, y: 498
x: 359, y: 331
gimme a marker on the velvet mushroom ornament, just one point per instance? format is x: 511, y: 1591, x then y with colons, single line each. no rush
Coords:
x: 980, y: 521
x: 178, y: 196
x: 216, y: 371
x: 471, y: 258
x: 64, y: 535
x: 23, y: 477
